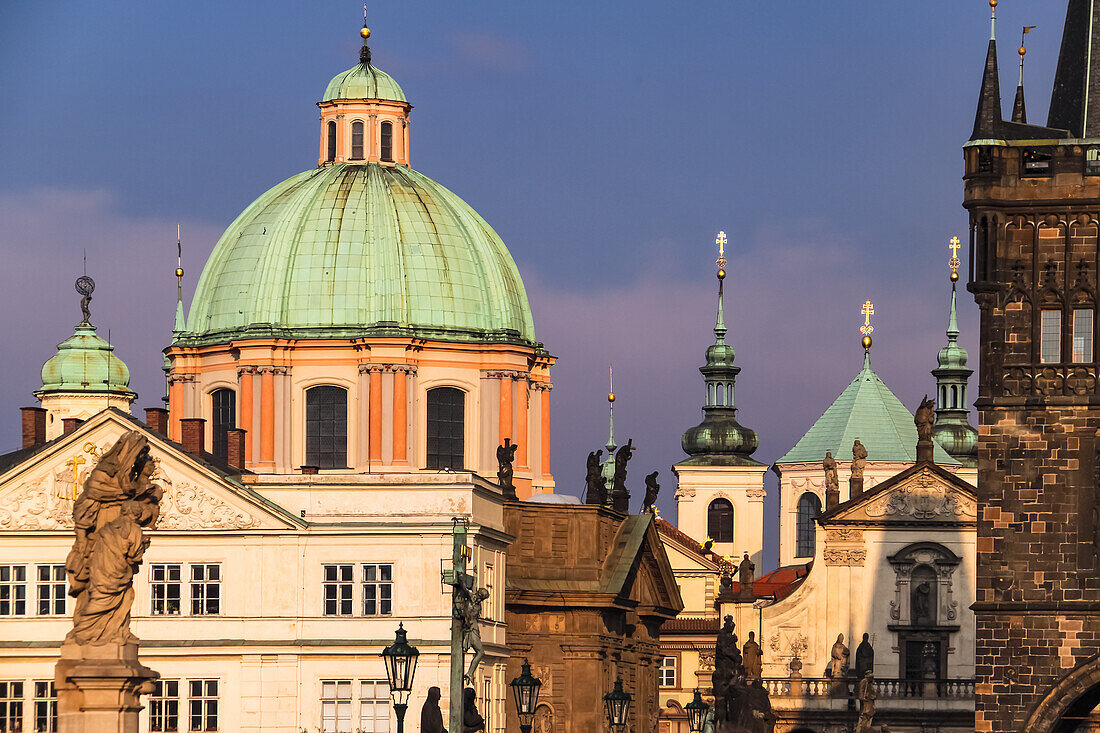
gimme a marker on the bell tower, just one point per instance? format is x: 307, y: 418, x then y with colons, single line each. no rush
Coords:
x: 1033, y: 197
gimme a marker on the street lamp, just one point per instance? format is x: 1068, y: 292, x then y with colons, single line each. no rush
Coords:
x: 400, y: 661
x: 617, y: 703
x: 697, y: 713
x: 526, y: 691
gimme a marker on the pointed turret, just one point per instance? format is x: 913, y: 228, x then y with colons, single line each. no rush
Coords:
x: 1019, y: 108
x: 952, y: 430
x: 1075, y: 100
x: 987, y: 119
x: 720, y: 438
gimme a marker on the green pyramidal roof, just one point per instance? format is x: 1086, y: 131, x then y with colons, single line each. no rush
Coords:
x: 867, y: 410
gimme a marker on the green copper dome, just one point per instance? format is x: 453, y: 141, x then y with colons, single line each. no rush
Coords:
x: 363, y: 81
x: 351, y: 250
x: 85, y: 363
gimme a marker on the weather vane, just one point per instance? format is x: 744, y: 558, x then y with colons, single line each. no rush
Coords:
x: 721, y: 240
x: 954, y: 261
x: 867, y: 329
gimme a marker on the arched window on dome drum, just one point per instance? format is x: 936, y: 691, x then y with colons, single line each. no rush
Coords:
x: 954, y: 396
x: 386, y: 142
x: 729, y: 394
x: 331, y: 142
x: 446, y: 428
x: 809, y: 506
x: 224, y: 411
x: 357, y: 140
x: 710, y: 393
x: 720, y: 520
x: 327, y: 427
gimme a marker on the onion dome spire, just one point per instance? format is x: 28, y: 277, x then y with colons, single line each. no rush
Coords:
x: 952, y: 429
x: 608, y: 466
x: 720, y: 439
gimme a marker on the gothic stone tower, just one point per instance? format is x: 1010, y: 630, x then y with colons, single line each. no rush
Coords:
x: 1033, y: 194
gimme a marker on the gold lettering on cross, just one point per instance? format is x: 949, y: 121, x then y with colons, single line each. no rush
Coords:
x: 76, y: 462
x: 954, y: 247
x: 867, y: 311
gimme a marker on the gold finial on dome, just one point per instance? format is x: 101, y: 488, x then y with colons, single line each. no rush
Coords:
x: 365, y: 33
x: 954, y: 262
x: 721, y: 240
x: 867, y: 329
x: 611, y: 383
x: 179, y: 265
x: 364, y: 52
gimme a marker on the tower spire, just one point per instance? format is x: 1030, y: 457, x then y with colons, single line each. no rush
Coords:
x: 1073, y: 106
x: 1019, y: 109
x: 720, y: 323
x: 987, y: 119
x: 181, y: 324
x: 364, y: 52
x: 952, y: 429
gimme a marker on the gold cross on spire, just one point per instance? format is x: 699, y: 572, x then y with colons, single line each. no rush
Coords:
x: 721, y: 240
x: 867, y: 329
x: 954, y: 262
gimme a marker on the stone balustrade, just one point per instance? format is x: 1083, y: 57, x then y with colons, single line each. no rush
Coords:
x: 888, y: 689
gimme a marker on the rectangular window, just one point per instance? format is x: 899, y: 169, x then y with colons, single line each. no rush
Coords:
x: 357, y: 141
x: 666, y: 675
x: 202, y: 705
x: 51, y: 590
x: 377, y: 590
x: 45, y: 707
x: 487, y: 704
x: 338, y: 590
x: 335, y: 706
x: 1082, y: 336
x: 11, y: 707
x: 487, y: 584
x: 206, y: 589
x: 166, y: 590
x: 13, y: 590
x: 164, y: 707
x: 374, y: 706
x: 1050, y: 342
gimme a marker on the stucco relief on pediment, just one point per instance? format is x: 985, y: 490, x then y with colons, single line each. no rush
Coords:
x: 923, y: 497
x: 44, y: 499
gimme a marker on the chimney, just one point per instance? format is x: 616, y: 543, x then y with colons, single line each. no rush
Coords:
x: 34, y: 426
x: 157, y: 419
x: 194, y: 435
x: 235, y: 450
x: 70, y: 424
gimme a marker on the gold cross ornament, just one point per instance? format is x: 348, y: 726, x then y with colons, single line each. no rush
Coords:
x: 721, y: 240
x: 867, y: 329
x: 954, y: 262
x: 76, y: 462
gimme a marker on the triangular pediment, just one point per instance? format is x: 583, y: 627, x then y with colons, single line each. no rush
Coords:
x: 922, y: 494
x: 38, y: 493
x: 639, y: 568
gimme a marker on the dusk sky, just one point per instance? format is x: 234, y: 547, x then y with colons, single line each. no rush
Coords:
x: 606, y: 142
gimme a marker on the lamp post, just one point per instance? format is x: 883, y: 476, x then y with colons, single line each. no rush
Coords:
x: 697, y: 713
x: 400, y: 661
x: 617, y: 703
x: 525, y: 688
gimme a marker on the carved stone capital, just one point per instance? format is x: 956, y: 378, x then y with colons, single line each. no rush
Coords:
x: 845, y: 557
x: 502, y: 374
x: 247, y: 369
x: 404, y: 368
x: 756, y: 493
x: 180, y: 377
x: 540, y: 386
x: 368, y: 368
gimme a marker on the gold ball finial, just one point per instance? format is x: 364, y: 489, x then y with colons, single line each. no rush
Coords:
x: 721, y: 273
x: 866, y: 343
x: 954, y: 277
x: 179, y: 272
x: 610, y: 396
x: 993, y: 4
x: 365, y: 33
x: 1022, y: 50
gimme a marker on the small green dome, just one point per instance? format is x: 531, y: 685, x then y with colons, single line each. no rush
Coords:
x: 353, y: 250
x: 952, y: 356
x: 720, y: 439
x: 959, y: 439
x: 85, y: 363
x: 364, y: 81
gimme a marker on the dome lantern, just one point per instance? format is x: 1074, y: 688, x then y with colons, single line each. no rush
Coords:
x: 953, y: 430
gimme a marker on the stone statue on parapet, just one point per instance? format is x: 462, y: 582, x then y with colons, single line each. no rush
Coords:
x: 118, y: 502
x: 651, y: 489
x: 98, y: 675
x: 832, y: 482
x: 924, y: 419
x: 431, y: 717
x: 838, y: 659
x: 468, y: 612
x: 746, y: 572
x: 859, y: 462
x: 595, y: 486
x: 865, y: 657
x: 506, y: 454
x: 738, y: 706
x: 867, y: 696
x: 753, y: 657
x: 472, y: 720
x: 620, y: 497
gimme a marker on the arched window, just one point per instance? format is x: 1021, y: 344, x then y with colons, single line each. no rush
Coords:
x: 954, y: 396
x: 327, y: 427
x: 710, y: 393
x: 809, y: 506
x: 721, y: 394
x: 224, y: 411
x: 729, y: 394
x: 720, y: 520
x: 357, y: 140
x: 446, y: 427
x: 386, y: 145
x: 331, y: 142
x: 943, y: 397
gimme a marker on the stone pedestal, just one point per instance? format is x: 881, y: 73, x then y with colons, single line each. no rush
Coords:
x: 98, y: 688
